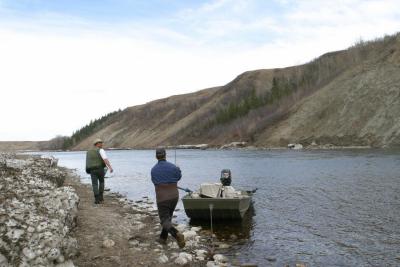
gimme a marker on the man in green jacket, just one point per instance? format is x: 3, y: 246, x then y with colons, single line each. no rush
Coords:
x: 96, y: 161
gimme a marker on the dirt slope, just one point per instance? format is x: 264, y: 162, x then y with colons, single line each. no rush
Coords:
x: 360, y: 107
x: 348, y: 97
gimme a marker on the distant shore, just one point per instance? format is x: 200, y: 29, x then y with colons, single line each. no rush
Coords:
x: 20, y: 147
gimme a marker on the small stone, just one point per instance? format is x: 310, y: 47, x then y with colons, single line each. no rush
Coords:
x: 211, y: 264
x: 189, y: 235
x: 196, y: 229
x: 41, y: 227
x: 174, y: 255
x: 133, y: 242
x: 108, y: 243
x: 181, y: 261
x: 181, y: 227
x: 12, y: 223
x: 66, y: 264
x: 163, y: 259
x: 201, y: 252
x: 53, y: 254
x: 223, y: 246
x: 219, y: 258
x: 183, y: 258
x: 23, y: 263
x: 139, y: 226
x: 144, y: 245
x: 29, y: 254
x: 300, y: 265
x: 15, y: 234
x: 70, y: 247
x: 60, y: 259
x: 3, y: 260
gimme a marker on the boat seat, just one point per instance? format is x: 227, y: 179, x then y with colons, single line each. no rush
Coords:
x: 213, y: 190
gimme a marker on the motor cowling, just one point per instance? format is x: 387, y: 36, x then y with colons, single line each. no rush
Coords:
x: 226, y: 178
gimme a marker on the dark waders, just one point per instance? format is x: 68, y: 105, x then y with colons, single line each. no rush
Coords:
x: 97, y: 176
x: 165, y: 211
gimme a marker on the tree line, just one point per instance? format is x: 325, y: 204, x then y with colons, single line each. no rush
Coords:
x: 281, y: 87
x: 67, y: 142
x: 307, y: 77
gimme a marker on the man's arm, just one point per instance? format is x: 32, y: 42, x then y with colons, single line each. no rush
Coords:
x: 107, y: 162
x: 178, y: 173
x: 105, y: 159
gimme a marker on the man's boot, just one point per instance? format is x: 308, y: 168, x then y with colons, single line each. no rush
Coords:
x: 96, y: 199
x: 101, y: 199
x: 163, y: 237
x: 180, y: 238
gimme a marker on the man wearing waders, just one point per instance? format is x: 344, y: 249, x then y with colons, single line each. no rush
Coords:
x: 96, y: 161
x: 165, y: 177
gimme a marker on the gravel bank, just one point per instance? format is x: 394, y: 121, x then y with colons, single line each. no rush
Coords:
x: 36, y: 214
x: 47, y: 218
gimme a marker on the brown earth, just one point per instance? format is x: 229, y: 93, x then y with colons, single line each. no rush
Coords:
x: 343, y: 98
x: 6, y: 146
x: 112, y: 220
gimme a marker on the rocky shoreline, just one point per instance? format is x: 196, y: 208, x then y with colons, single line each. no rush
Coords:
x: 47, y: 218
x: 246, y: 146
x: 36, y: 214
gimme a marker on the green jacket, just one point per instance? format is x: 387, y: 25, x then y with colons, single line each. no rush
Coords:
x: 94, y: 160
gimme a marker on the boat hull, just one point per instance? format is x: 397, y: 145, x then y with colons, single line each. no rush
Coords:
x: 223, y: 208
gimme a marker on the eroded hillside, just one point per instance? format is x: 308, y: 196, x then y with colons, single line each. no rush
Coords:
x: 348, y: 97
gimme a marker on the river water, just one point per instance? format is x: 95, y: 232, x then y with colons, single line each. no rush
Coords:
x: 322, y: 208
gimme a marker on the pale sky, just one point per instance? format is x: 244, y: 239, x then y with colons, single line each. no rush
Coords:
x: 66, y: 62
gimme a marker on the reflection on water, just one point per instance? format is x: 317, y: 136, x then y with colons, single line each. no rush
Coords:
x: 223, y: 230
x: 324, y: 208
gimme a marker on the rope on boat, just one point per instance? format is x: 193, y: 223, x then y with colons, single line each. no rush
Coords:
x: 211, y: 206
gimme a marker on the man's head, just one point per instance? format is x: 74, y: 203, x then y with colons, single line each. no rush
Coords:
x: 160, y: 153
x: 98, y: 142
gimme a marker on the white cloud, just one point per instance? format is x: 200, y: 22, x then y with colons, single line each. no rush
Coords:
x: 73, y: 80
x: 58, y: 73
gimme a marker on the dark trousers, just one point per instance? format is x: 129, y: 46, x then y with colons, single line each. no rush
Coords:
x: 97, y: 176
x: 165, y: 211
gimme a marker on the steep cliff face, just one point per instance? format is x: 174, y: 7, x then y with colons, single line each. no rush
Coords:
x: 359, y: 107
x: 347, y: 97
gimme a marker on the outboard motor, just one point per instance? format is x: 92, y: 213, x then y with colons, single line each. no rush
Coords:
x: 226, y: 178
